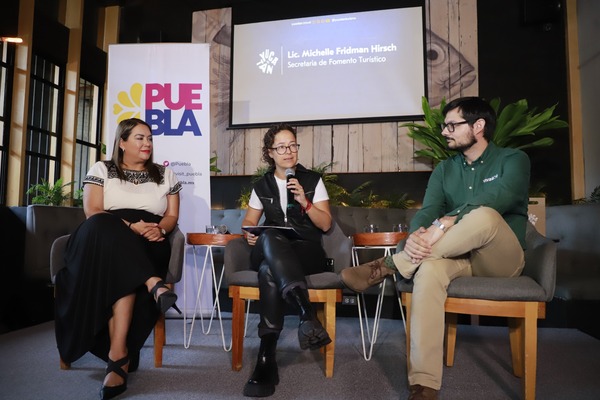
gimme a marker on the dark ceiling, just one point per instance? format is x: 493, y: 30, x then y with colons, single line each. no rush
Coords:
x: 145, y: 21
x: 165, y: 20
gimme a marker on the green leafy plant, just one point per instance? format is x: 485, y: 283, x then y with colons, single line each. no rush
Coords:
x: 335, y: 191
x: 45, y: 193
x: 338, y: 195
x: 430, y: 133
x: 244, y: 198
x: 213, y: 163
x: 594, y: 197
x: 78, y: 198
x: 516, y: 127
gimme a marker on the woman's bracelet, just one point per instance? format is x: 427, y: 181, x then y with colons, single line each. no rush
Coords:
x: 129, y: 226
x: 308, y: 206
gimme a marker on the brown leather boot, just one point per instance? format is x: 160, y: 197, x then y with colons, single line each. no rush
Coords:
x: 418, y: 392
x: 363, y: 276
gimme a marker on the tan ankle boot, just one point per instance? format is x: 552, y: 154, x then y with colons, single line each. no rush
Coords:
x: 363, y: 276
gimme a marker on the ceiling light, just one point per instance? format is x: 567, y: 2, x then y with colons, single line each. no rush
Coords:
x: 11, y: 39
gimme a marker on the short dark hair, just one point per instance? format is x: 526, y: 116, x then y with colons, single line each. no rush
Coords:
x: 269, y: 138
x: 472, y: 109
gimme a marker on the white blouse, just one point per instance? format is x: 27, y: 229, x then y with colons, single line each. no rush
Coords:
x: 137, y: 192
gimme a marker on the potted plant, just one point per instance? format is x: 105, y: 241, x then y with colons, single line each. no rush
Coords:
x: 516, y: 127
x: 45, y: 193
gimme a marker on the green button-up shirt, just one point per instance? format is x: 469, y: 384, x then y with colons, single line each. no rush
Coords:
x: 498, y: 179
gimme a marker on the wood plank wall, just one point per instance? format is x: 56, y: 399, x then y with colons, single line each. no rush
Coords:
x: 354, y: 148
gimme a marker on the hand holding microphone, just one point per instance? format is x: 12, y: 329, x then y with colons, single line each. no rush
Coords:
x: 295, y: 190
x: 289, y: 174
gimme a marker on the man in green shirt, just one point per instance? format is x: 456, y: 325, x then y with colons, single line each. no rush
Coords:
x: 472, y: 222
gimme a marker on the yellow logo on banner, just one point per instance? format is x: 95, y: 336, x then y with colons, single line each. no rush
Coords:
x: 129, y: 105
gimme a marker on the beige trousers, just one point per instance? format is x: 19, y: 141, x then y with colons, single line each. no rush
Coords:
x: 481, y: 244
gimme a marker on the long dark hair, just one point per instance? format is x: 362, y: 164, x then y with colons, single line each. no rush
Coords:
x: 123, y: 132
x: 269, y: 138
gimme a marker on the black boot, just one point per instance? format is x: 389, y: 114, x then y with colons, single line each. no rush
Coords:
x: 311, y: 334
x: 265, y: 376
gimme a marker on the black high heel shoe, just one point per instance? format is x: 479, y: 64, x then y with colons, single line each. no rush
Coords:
x: 165, y: 300
x: 108, y: 392
x: 134, y: 361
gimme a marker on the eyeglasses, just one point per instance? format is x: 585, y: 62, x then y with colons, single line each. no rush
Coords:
x: 293, y: 148
x: 452, y: 125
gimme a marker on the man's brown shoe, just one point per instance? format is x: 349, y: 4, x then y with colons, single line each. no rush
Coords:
x: 363, y: 276
x: 418, y: 392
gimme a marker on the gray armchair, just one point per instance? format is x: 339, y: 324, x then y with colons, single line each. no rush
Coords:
x: 522, y: 299
x: 323, y: 288
x: 177, y: 241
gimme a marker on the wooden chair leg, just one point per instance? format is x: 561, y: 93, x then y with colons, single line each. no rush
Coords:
x: 515, y: 334
x: 237, y: 328
x: 329, y: 320
x: 160, y: 337
x: 451, y: 319
x: 530, y: 350
x: 406, y: 300
x: 523, y: 348
x: 159, y: 340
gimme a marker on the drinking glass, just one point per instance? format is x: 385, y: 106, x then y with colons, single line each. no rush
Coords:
x: 212, y: 229
x: 371, y: 228
x: 399, y: 228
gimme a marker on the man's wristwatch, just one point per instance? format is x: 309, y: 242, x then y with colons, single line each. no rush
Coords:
x: 163, y: 232
x: 437, y: 223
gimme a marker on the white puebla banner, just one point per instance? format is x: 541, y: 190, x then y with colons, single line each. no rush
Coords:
x: 167, y: 85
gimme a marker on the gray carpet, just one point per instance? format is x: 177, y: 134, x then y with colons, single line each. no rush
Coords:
x: 568, y: 366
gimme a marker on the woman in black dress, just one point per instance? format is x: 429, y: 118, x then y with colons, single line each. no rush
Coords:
x: 110, y: 293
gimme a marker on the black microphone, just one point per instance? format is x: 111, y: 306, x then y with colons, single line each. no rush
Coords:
x: 289, y: 173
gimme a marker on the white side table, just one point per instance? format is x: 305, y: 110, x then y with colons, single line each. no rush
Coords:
x: 208, y: 241
x: 387, y: 242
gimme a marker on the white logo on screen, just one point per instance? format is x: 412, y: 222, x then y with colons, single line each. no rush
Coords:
x: 267, y: 61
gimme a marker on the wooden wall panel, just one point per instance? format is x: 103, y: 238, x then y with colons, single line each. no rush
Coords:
x: 372, y: 148
x: 418, y: 163
x: 322, y: 144
x: 389, y: 146
x: 378, y: 147
x: 355, y: 148
x: 199, y: 28
x: 340, y: 148
x: 468, y: 42
x: 252, y: 149
x: 219, y: 103
x: 214, y: 27
x: 237, y: 153
x: 305, y: 138
x: 404, y: 151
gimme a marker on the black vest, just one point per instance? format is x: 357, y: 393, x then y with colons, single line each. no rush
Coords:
x: 267, y: 191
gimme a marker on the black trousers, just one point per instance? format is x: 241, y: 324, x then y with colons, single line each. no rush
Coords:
x: 282, y: 264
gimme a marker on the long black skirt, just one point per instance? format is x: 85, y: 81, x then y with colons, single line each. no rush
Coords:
x: 105, y: 261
